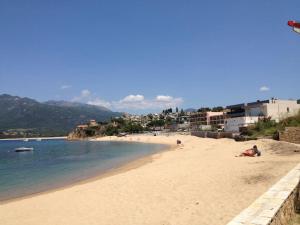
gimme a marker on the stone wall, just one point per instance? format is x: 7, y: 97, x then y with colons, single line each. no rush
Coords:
x: 277, y: 206
x: 199, y: 133
x: 288, y: 210
x: 211, y: 134
x: 290, y: 134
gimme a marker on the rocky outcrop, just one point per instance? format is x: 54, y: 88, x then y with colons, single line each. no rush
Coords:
x: 89, y: 130
x: 77, y: 134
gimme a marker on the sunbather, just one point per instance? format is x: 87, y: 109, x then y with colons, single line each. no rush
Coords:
x: 251, y: 152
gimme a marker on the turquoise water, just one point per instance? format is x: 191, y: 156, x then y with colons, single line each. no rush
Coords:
x: 56, y: 163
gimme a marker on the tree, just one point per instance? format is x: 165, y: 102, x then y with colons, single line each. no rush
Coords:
x: 133, y: 128
x: 150, y: 116
x: 156, y: 123
x: 90, y: 132
x: 169, y: 110
x: 204, y: 109
x: 118, y: 120
x: 169, y: 120
x: 111, y: 130
x: 182, y: 112
x: 217, y: 109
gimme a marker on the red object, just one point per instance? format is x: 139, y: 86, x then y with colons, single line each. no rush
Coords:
x: 293, y: 23
x: 249, y: 152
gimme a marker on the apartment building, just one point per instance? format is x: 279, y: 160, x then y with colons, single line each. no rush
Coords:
x: 245, y: 114
x: 204, y: 119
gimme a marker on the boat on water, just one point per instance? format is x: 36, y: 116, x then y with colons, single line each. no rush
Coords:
x: 23, y: 149
x: 25, y: 139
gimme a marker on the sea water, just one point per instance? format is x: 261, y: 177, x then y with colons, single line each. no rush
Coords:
x: 57, y: 163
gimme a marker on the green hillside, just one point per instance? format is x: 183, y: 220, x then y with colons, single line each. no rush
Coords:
x: 47, y: 119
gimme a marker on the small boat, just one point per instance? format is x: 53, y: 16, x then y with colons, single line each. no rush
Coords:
x: 23, y: 149
x: 25, y: 139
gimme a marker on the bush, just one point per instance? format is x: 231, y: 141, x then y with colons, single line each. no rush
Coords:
x: 264, y: 127
x: 156, y: 123
x: 90, y: 132
x: 293, y: 121
x: 268, y: 127
x: 133, y: 128
x: 111, y: 130
x: 264, y: 124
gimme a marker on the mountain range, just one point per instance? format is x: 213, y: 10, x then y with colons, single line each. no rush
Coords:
x: 49, y: 118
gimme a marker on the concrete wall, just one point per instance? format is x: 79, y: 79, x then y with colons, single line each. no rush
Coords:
x: 183, y: 126
x: 280, y: 109
x: 290, y: 134
x: 233, y: 124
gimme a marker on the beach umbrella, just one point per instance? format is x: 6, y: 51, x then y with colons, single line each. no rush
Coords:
x: 295, y: 25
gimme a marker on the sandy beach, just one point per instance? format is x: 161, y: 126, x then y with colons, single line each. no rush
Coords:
x: 198, y: 182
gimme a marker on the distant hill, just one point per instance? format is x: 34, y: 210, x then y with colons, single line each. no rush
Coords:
x: 48, y: 118
x: 76, y: 105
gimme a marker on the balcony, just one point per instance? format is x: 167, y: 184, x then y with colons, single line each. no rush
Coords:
x: 236, y: 114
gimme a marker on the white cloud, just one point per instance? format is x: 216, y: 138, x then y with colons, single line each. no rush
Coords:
x: 140, y: 103
x: 264, y: 88
x: 83, y: 97
x: 65, y: 86
x: 133, y: 98
x: 163, y: 98
x: 130, y: 102
x: 85, y: 93
x: 99, y: 102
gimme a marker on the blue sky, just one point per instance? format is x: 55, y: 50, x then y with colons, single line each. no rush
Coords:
x: 141, y: 56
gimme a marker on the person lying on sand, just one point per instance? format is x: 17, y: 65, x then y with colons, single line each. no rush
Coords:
x: 251, y: 152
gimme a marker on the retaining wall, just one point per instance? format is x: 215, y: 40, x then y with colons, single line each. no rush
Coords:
x: 290, y: 134
x: 211, y: 134
x: 277, y: 206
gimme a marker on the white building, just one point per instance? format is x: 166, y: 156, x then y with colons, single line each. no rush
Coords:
x: 236, y: 123
x: 276, y: 109
x: 243, y: 115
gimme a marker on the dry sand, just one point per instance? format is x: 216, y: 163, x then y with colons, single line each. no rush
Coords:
x: 200, y: 182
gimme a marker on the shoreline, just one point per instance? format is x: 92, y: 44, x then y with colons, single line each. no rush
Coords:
x: 199, y: 179
x: 136, y: 163
x: 34, y: 138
